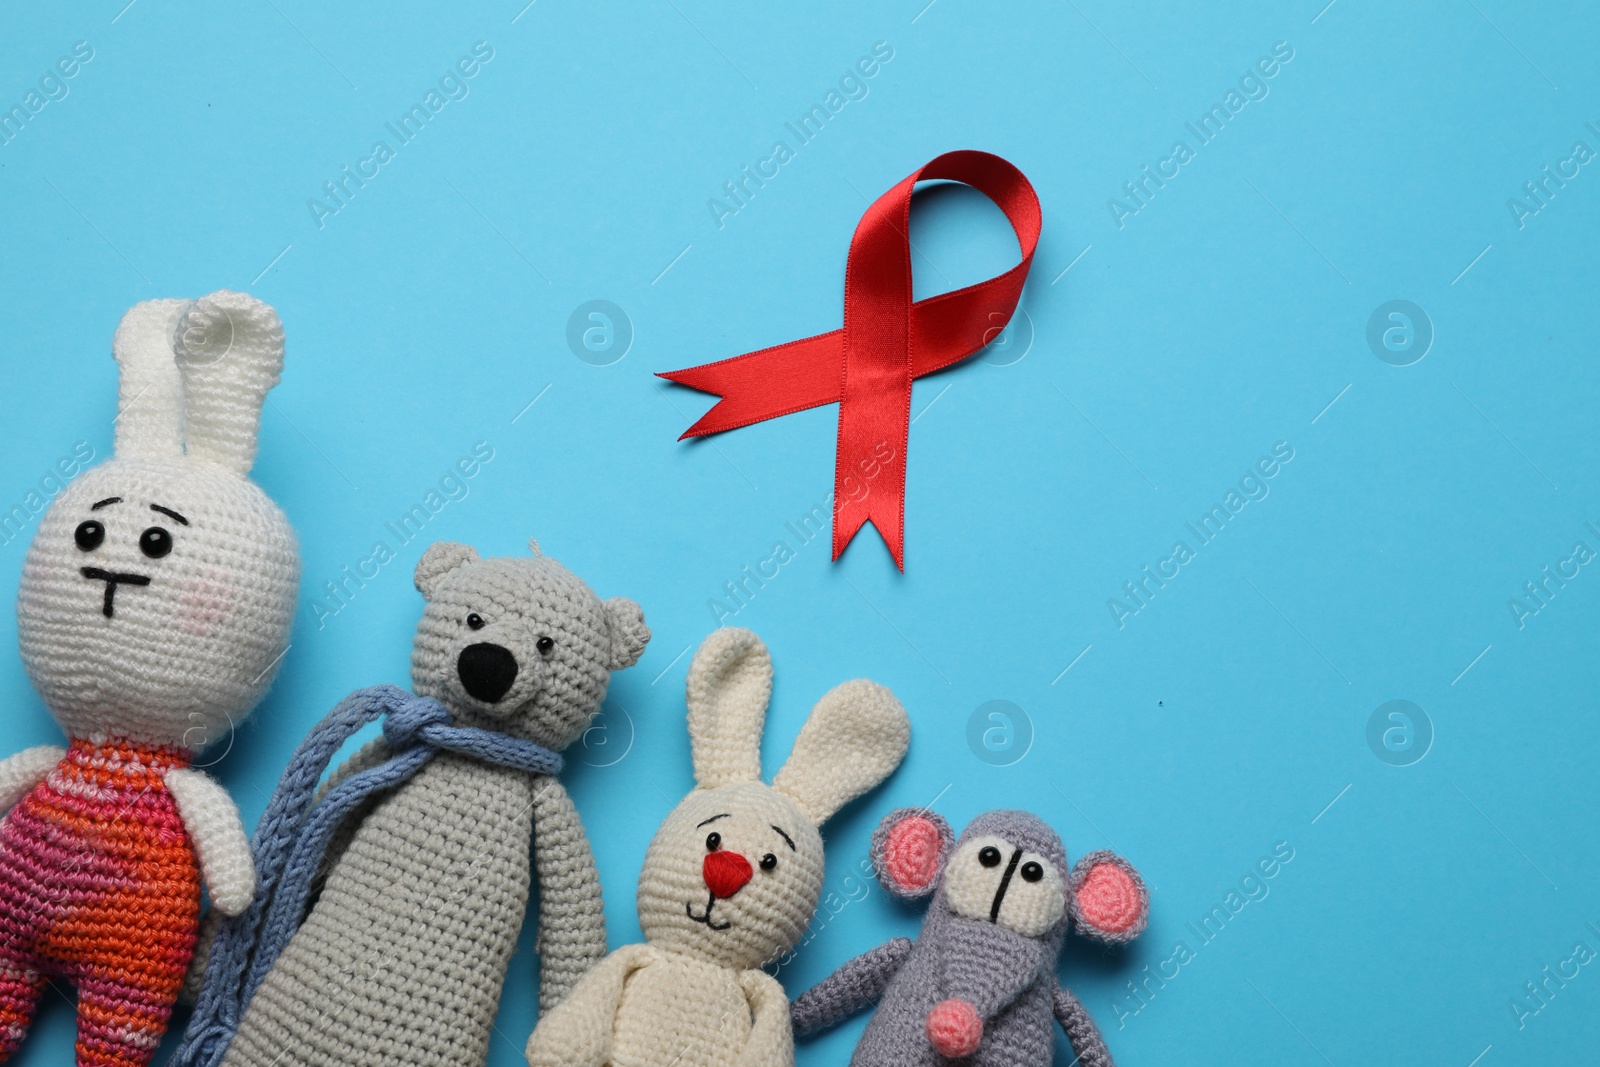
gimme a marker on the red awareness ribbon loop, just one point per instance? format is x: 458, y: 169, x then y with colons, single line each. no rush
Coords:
x: 887, y: 341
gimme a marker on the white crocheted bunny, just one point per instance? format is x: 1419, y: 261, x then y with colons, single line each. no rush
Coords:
x: 154, y: 607
x: 731, y: 879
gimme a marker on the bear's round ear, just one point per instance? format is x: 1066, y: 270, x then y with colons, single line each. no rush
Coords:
x: 629, y: 634
x: 1109, y: 900
x: 909, y: 850
x: 439, y: 560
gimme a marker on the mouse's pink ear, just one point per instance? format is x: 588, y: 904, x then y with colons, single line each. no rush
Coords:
x: 1109, y: 900
x: 909, y: 850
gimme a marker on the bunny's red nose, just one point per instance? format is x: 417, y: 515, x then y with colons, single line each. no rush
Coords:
x: 725, y: 873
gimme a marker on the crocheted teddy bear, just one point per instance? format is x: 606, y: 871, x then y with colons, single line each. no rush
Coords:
x: 978, y: 985
x: 397, y: 952
x: 155, y: 605
x: 731, y: 879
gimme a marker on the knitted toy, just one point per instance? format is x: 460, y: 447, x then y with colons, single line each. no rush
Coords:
x: 978, y: 985
x: 391, y: 901
x: 155, y: 604
x: 730, y: 880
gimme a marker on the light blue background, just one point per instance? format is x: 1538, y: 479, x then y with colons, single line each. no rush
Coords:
x: 1228, y: 715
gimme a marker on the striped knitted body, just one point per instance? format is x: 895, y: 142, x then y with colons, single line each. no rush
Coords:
x: 99, y: 886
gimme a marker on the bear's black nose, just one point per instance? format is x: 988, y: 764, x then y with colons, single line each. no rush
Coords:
x: 487, y: 671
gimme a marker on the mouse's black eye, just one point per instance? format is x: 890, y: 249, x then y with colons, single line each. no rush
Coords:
x: 475, y: 621
x: 155, y: 542
x: 1031, y: 872
x: 990, y: 856
x: 545, y: 645
x: 769, y: 862
x: 713, y: 841
x: 89, y: 534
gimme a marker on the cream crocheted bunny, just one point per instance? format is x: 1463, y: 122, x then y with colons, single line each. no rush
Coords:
x: 731, y: 879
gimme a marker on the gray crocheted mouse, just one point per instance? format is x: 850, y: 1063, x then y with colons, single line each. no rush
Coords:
x: 402, y: 953
x: 978, y: 985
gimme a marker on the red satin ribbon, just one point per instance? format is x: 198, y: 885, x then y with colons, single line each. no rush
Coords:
x: 867, y: 367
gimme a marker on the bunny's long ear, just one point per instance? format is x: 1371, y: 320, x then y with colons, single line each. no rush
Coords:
x: 150, y: 393
x: 855, y: 738
x: 730, y: 683
x: 230, y: 350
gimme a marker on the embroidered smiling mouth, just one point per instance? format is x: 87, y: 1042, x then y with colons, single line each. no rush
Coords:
x: 711, y: 902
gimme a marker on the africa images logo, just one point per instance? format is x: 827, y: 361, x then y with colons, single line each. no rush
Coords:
x: 852, y: 85
x: 338, y: 193
x: 1139, y: 592
x: 1252, y: 87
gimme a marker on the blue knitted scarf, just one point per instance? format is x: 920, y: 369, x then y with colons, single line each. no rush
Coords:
x: 292, y: 839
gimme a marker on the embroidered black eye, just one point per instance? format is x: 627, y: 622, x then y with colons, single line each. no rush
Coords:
x: 545, y: 645
x: 89, y: 534
x: 713, y: 841
x: 769, y: 862
x: 1031, y: 872
x: 155, y: 542
x: 475, y: 621
x: 990, y: 856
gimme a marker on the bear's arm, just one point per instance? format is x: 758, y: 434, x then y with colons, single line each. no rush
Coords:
x: 572, y: 921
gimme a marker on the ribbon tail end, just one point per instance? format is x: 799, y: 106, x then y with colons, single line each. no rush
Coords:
x: 689, y: 379
x: 896, y: 545
x: 843, y: 534
x: 893, y: 540
x: 704, y: 426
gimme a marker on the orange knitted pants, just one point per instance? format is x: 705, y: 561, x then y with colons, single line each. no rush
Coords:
x: 99, y: 886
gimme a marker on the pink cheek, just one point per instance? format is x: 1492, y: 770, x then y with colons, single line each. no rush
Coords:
x: 204, y: 605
